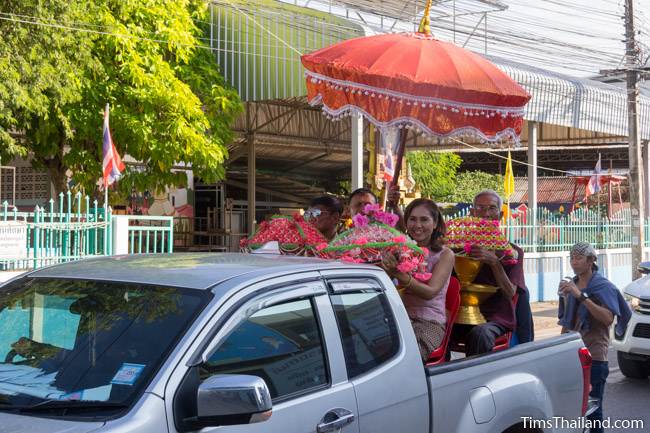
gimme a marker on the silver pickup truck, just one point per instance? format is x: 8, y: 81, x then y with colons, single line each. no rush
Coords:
x: 250, y: 343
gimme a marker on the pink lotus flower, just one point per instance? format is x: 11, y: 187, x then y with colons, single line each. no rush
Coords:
x: 406, y: 266
x: 321, y: 246
x: 399, y: 239
x: 467, y: 248
x: 360, y: 220
x: 422, y: 276
x: 371, y: 208
x: 387, y: 218
x: 360, y: 241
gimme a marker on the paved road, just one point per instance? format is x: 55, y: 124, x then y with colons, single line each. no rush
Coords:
x: 626, y: 399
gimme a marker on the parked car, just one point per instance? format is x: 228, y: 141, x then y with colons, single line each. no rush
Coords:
x: 253, y: 343
x: 633, y: 348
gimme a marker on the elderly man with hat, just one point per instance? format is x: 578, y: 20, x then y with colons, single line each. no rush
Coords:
x: 588, y: 304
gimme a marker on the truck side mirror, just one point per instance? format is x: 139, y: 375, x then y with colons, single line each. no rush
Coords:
x: 644, y: 268
x: 232, y: 399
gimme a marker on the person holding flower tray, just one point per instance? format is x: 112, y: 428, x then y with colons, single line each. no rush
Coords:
x: 507, y: 275
x: 324, y: 213
x: 359, y: 199
x: 425, y: 300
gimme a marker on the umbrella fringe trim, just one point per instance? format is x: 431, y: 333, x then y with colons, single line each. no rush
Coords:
x: 424, y: 101
x: 506, y: 135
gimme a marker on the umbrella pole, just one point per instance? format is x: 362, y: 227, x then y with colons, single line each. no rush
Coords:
x: 398, y: 164
x: 384, y: 200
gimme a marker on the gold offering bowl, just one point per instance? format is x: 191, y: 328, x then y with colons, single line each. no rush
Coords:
x: 466, y: 269
x: 471, y: 294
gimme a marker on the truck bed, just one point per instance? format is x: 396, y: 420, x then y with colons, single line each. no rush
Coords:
x: 492, y: 392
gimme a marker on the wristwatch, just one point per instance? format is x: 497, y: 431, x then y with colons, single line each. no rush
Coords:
x: 583, y: 297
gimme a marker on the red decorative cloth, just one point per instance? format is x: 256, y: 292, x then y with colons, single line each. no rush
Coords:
x: 293, y: 234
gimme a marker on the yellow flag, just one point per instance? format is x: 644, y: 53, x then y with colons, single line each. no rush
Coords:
x: 509, y: 178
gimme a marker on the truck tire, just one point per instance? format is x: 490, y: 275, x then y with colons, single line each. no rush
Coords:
x: 633, y: 368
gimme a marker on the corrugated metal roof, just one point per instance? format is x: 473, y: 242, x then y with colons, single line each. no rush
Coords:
x: 278, y: 186
x: 574, y: 102
x: 551, y: 190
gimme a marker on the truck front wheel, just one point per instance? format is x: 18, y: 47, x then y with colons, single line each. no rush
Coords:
x: 632, y: 367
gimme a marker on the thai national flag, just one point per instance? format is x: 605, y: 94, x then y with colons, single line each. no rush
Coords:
x: 593, y: 186
x: 389, y: 138
x: 112, y: 164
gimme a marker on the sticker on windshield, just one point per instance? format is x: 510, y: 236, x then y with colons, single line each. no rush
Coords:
x: 101, y: 393
x: 127, y: 374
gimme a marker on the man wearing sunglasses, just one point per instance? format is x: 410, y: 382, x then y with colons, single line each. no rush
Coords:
x: 325, y: 214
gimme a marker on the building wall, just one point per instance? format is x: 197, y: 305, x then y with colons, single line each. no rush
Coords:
x: 32, y: 187
x: 543, y: 271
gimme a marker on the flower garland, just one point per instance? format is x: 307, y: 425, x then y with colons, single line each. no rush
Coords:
x: 373, y: 233
x: 465, y: 232
x: 293, y: 234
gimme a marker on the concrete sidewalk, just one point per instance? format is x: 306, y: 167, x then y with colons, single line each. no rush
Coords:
x: 545, y: 319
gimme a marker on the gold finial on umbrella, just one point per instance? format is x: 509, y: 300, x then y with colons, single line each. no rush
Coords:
x: 425, y: 23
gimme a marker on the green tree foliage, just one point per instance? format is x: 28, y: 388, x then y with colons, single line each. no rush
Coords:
x: 469, y: 183
x: 169, y: 104
x: 435, y: 173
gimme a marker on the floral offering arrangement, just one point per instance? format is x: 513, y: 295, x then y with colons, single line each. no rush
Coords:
x: 372, y: 234
x: 463, y: 233
x: 293, y: 234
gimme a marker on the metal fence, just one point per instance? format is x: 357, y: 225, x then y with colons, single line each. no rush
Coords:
x: 74, y: 228
x: 150, y: 234
x: 69, y: 229
x: 555, y: 231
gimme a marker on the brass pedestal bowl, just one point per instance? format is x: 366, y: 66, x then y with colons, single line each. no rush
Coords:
x: 472, y: 295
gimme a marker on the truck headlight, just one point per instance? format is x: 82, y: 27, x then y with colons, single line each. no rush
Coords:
x: 632, y: 301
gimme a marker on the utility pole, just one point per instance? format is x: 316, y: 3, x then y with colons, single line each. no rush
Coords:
x: 635, y: 157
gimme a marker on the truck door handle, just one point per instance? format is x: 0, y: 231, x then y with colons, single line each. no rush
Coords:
x: 334, y: 420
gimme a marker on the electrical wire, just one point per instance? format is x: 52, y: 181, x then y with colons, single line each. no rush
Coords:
x: 505, y: 157
x: 4, y: 16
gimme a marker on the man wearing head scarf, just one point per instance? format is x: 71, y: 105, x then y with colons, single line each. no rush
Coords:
x: 588, y: 304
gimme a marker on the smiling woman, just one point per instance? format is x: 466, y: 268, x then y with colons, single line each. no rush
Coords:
x: 425, y: 301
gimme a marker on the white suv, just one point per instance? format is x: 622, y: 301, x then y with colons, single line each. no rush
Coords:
x: 633, y: 348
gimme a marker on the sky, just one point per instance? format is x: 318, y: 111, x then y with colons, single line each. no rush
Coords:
x: 577, y: 37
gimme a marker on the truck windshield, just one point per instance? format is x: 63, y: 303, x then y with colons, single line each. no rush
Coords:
x: 95, y: 344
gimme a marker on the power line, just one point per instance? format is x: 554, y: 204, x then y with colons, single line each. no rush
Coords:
x: 504, y: 157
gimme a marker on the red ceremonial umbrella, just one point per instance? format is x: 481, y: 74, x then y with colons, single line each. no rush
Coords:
x: 414, y: 80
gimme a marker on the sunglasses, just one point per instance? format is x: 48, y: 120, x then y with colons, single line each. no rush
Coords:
x: 314, y: 213
x: 482, y: 208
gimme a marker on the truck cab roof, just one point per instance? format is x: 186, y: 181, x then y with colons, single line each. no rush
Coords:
x: 190, y: 270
